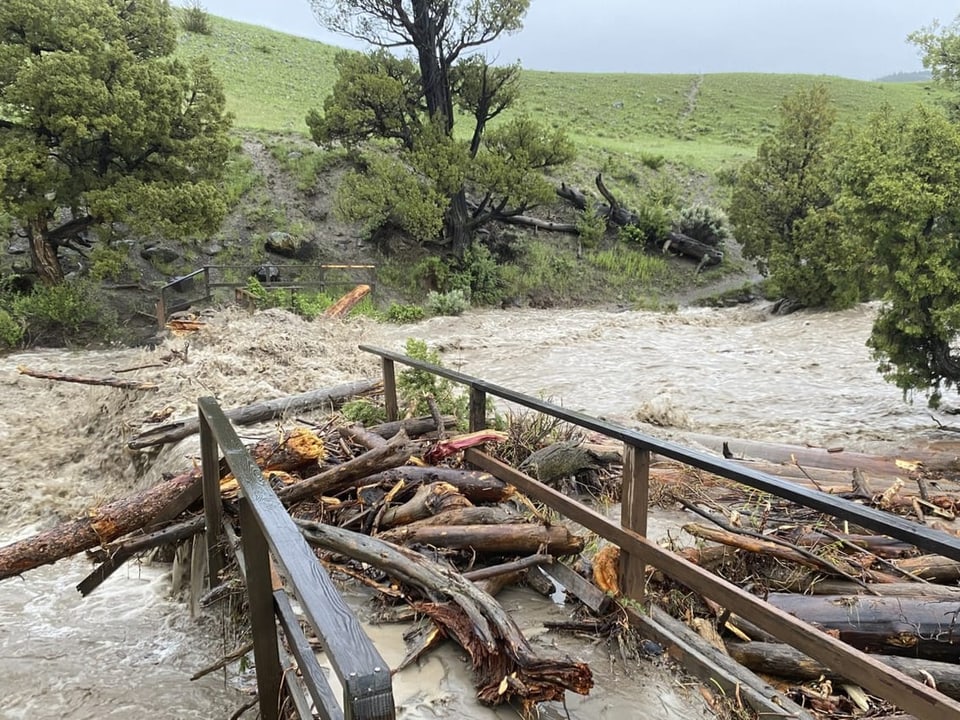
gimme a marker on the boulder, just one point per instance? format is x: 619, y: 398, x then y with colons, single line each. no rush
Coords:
x: 159, y: 255
x: 289, y: 246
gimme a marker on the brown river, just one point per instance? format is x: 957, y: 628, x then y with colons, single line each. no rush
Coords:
x: 129, y: 649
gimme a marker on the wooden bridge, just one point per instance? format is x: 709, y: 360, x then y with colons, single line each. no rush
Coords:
x: 268, y: 532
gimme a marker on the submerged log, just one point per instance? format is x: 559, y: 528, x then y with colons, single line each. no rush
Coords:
x: 257, y: 412
x: 788, y: 662
x: 921, y: 627
x: 101, y: 526
x: 506, y: 666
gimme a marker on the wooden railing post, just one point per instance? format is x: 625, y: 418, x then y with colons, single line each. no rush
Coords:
x: 478, y: 409
x: 390, y: 390
x: 212, y: 505
x: 256, y: 559
x: 635, y: 495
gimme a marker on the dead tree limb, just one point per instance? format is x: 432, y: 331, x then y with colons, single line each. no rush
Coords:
x: 83, y: 380
x: 505, y: 664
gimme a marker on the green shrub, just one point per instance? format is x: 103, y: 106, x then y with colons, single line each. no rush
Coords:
x: 64, y: 313
x: 449, y: 303
x: 653, y: 223
x: 108, y: 263
x: 402, y: 314
x: 364, y: 411
x: 414, y: 386
x: 310, y: 305
x: 194, y: 19
x: 479, y: 277
x: 11, y: 332
x: 705, y: 223
x: 592, y: 227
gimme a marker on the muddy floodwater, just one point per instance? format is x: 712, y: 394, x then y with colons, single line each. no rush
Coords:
x: 130, y: 648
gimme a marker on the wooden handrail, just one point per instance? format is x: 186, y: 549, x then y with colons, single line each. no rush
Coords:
x: 905, y: 692
x: 363, y: 673
x: 934, y: 541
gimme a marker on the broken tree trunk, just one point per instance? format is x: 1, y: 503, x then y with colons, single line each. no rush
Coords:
x: 396, y: 452
x: 516, y: 538
x: 685, y: 245
x: 258, y: 412
x: 429, y: 500
x: 788, y: 662
x: 476, y: 486
x: 101, y: 526
x: 506, y: 667
x: 83, y: 380
x: 346, y: 303
x: 921, y: 627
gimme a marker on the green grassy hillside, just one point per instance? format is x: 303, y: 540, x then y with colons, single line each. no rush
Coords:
x: 701, y: 121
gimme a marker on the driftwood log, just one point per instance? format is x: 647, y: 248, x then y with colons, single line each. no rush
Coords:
x: 920, y: 627
x: 84, y: 380
x: 257, y: 412
x: 346, y: 303
x: 476, y: 486
x: 507, y: 668
x: 99, y: 527
x: 788, y: 662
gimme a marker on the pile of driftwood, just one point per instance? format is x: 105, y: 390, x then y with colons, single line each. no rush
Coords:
x: 433, y: 528
x: 878, y: 594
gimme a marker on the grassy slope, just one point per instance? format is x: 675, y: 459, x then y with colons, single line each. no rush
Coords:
x: 704, y: 122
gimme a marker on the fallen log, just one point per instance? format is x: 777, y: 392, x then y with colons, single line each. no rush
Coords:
x: 505, y: 664
x: 84, y: 380
x: 429, y: 500
x: 396, y: 452
x: 887, y: 466
x: 257, y: 412
x: 469, y: 515
x: 921, y: 627
x: 476, y: 486
x: 346, y: 303
x: 688, y: 246
x: 101, y: 526
x: 788, y: 662
x: 830, y: 586
x: 516, y: 538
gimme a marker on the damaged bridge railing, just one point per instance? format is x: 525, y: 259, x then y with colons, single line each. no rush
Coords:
x: 883, y: 681
x: 269, y: 535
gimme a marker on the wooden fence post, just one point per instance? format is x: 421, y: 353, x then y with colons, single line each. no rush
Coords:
x: 390, y: 390
x: 478, y: 409
x: 634, y: 503
x: 212, y: 505
x: 263, y: 625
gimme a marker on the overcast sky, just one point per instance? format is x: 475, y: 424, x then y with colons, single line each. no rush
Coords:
x: 861, y: 39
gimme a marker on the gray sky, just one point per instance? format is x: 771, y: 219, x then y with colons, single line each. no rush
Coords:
x: 861, y: 39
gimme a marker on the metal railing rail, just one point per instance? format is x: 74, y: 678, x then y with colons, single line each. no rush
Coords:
x: 268, y: 534
x: 894, y: 686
